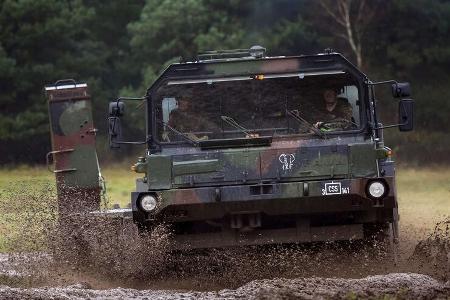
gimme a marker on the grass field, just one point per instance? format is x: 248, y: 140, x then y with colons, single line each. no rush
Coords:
x: 424, y: 194
x: 120, y: 181
x: 424, y: 200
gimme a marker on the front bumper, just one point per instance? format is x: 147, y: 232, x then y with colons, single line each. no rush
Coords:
x: 299, y: 198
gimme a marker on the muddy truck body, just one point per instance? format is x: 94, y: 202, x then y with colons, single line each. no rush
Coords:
x: 241, y: 149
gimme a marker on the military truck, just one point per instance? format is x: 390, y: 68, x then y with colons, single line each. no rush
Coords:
x: 245, y: 149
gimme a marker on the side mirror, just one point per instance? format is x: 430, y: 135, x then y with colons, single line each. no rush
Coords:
x: 401, y: 89
x: 114, y: 131
x: 116, y: 108
x: 406, y: 115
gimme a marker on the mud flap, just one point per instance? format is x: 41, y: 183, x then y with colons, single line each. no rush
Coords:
x: 73, y: 158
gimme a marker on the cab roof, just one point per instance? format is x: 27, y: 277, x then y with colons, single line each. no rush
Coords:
x: 223, y: 66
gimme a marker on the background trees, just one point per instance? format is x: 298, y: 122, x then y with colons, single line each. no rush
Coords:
x: 120, y: 47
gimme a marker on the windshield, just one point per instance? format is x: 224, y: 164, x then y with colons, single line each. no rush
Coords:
x: 253, y: 106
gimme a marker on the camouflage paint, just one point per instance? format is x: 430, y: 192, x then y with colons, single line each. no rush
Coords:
x: 250, y: 66
x: 218, y: 168
x: 73, y: 147
x: 285, y: 180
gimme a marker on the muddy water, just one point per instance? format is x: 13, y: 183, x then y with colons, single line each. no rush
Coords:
x: 83, y: 257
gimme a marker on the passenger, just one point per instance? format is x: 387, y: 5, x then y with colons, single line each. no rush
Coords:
x: 186, y: 120
x: 336, y: 110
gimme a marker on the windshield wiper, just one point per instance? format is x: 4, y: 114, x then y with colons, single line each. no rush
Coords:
x: 236, y: 125
x: 296, y: 115
x: 184, y: 136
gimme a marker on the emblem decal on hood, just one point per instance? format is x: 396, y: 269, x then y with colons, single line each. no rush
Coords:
x: 287, y: 161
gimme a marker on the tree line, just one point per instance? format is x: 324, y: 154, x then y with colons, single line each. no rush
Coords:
x: 119, y: 47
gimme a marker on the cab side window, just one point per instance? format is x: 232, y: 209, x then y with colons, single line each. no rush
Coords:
x: 168, y: 104
x: 350, y: 92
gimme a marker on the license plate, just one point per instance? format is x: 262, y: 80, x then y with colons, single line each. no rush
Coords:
x: 334, y: 188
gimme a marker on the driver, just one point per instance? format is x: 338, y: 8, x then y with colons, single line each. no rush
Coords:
x: 335, y: 110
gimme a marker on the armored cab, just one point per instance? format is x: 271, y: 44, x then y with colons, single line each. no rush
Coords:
x: 247, y: 149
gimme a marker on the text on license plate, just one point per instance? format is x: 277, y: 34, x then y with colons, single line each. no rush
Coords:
x: 335, y: 188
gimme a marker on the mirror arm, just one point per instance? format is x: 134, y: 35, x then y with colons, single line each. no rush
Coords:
x: 130, y: 98
x: 126, y: 98
x: 394, y: 125
x: 131, y: 143
x: 390, y: 126
x: 382, y: 82
x: 115, y: 117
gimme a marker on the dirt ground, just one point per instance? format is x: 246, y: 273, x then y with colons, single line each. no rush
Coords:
x: 100, y: 260
x: 113, y: 266
x: 396, y: 285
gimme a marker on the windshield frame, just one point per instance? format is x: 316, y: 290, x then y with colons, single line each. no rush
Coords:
x: 360, y: 82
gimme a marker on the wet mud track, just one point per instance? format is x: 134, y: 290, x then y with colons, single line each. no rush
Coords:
x: 327, y: 271
x: 398, y: 285
x: 100, y: 261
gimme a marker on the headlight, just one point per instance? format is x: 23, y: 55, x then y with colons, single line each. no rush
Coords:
x: 148, y: 203
x: 376, y: 189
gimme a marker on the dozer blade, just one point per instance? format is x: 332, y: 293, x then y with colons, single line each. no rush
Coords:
x: 74, y: 156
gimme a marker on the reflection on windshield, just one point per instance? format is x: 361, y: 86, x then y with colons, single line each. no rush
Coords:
x: 203, y: 110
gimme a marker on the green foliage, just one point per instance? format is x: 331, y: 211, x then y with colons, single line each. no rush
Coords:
x: 420, y: 29
x: 416, y: 47
x: 119, y: 48
x: 43, y: 41
x: 38, y: 41
x: 168, y: 30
